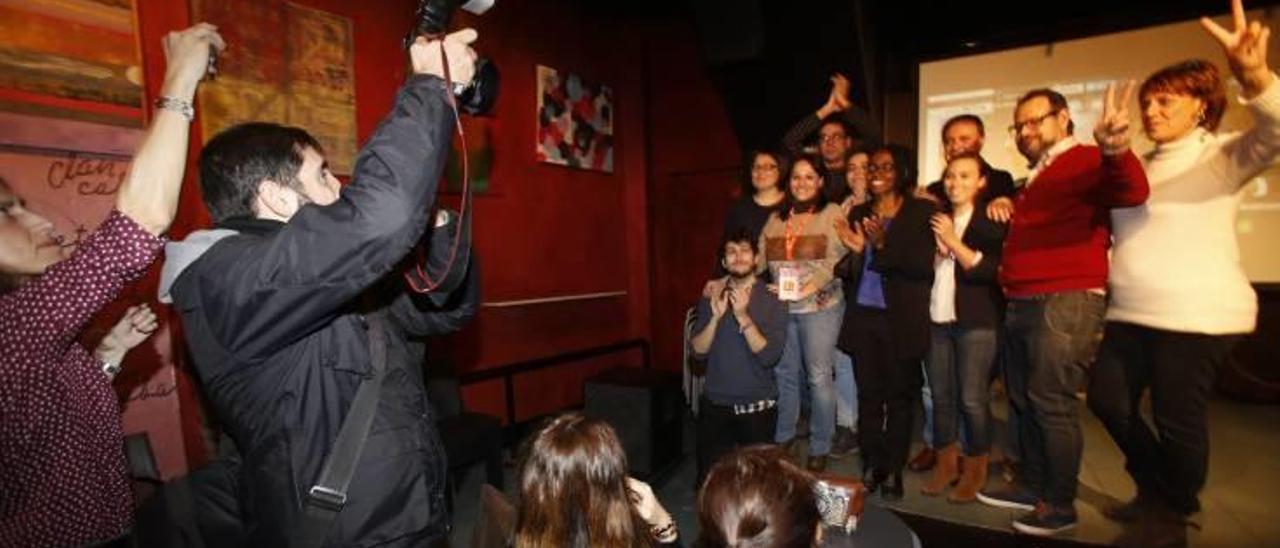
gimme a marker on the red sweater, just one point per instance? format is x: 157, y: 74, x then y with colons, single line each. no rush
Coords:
x: 1061, y: 228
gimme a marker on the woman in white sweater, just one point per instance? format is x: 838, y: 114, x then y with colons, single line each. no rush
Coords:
x: 1179, y: 297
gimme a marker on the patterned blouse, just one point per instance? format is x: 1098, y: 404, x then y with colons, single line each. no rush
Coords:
x: 63, y: 480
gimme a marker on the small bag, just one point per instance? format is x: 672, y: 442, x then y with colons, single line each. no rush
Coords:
x: 840, y: 501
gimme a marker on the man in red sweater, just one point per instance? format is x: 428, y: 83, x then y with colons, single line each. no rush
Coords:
x: 1054, y: 272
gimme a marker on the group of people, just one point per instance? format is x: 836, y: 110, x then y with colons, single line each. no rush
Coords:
x: 1101, y: 270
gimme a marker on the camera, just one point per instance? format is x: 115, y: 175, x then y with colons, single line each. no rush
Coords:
x: 433, y: 16
x: 839, y: 502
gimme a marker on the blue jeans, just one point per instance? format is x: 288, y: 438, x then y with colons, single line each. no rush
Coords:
x: 846, y: 392
x: 926, y: 400
x: 960, y: 362
x: 811, y: 344
x: 1050, y: 340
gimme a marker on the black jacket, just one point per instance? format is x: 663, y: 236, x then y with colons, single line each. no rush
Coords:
x: 906, y: 266
x: 979, y: 300
x: 1000, y: 184
x: 274, y: 317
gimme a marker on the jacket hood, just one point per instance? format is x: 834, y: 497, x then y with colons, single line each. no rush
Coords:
x: 179, y: 255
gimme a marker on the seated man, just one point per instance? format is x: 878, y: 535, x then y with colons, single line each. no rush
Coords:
x: 281, y: 301
x: 739, y: 399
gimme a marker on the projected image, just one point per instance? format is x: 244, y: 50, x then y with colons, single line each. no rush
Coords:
x: 988, y: 85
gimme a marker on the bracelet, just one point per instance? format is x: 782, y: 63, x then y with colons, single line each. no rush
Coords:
x: 666, y: 533
x: 110, y: 369
x: 177, y: 105
x: 742, y: 329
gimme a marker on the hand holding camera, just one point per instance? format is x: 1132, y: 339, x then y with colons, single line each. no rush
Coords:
x: 427, y: 58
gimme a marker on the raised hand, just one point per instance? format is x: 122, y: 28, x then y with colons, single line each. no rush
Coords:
x: 873, y: 227
x: 739, y: 298
x: 944, y: 229
x: 719, y: 303
x: 1112, y: 131
x: 852, y: 237
x: 713, y: 287
x: 1245, y: 46
x: 187, y: 59
x: 426, y: 58
x: 840, y: 91
x: 138, y: 323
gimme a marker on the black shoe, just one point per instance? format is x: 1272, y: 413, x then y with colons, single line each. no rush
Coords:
x: 845, y: 442
x: 1128, y: 512
x: 891, y: 489
x: 817, y: 463
x: 871, y: 479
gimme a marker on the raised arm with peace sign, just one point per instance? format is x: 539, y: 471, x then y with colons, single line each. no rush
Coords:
x: 1246, y: 49
x: 1112, y: 131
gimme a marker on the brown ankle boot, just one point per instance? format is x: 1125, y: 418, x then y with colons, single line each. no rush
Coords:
x: 944, y: 472
x: 973, y: 480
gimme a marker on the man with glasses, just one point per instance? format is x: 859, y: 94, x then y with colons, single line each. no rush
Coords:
x: 837, y: 123
x: 1054, y: 273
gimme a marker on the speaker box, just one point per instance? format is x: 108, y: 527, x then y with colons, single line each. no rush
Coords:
x: 645, y: 407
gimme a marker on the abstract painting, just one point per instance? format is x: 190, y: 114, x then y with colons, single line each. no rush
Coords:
x: 575, y: 121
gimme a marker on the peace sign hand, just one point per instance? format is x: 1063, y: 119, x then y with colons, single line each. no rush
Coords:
x: 1112, y: 131
x: 1246, y: 48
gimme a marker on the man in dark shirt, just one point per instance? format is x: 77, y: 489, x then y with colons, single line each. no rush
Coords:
x: 740, y: 330
x: 965, y: 134
x: 841, y: 128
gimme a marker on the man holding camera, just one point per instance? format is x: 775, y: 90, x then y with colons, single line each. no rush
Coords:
x: 740, y: 330
x: 293, y: 302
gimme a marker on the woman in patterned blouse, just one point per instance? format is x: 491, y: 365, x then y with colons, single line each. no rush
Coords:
x: 62, y: 470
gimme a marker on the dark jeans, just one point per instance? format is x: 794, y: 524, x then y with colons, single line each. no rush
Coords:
x: 888, y: 392
x: 960, y: 363
x: 1050, y: 340
x: 1179, y: 368
x: 720, y: 432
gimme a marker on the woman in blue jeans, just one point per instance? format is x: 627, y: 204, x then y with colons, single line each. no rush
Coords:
x: 965, y: 310
x: 799, y: 246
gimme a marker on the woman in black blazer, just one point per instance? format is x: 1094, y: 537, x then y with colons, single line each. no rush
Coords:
x: 889, y: 273
x: 965, y: 312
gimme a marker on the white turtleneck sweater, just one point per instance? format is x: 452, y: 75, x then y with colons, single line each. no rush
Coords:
x: 1175, y: 264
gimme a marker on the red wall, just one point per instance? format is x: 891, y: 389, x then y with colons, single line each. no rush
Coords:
x: 550, y: 231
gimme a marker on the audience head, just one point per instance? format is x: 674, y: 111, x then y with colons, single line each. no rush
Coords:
x: 765, y: 170
x: 738, y: 253
x: 962, y: 134
x: 804, y: 185
x: 855, y: 174
x: 28, y: 244
x: 264, y: 170
x: 1181, y: 97
x: 756, y: 497
x: 891, y: 171
x: 965, y: 179
x: 573, y: 488
x: 835, y: 140
x: 1040, y: 120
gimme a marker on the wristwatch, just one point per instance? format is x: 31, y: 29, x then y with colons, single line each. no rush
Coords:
x: 111, y: 369
x: 177, y: 105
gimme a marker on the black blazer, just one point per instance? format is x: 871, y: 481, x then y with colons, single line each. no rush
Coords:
x: 906, y: 267
x: 979, y: 300
x: 1000, y: 184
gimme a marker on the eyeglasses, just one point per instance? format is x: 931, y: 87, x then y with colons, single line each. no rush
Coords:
x: 764, y: 168
x: 1016, y: 127
x: 880, y: 168
x: 832, y: 137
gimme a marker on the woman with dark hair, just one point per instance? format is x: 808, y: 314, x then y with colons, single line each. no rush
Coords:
x: 756, y: 497
x: 63, y: 480
x: 1179, y: 297
x: 574, y: 492
x: 965, y: 307
x: 762, y: 193
x: 890, y: 263
x: 799, y: 246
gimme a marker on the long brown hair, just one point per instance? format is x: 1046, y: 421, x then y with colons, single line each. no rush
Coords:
x: 573, y: 489
x: 756, y: 497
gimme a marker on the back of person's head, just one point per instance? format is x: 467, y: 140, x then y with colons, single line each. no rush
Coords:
x: 237, y: 160
x: 573, y: 489
x: 756, y: 498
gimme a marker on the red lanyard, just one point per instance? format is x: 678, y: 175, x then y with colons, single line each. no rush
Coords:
x: 793, y: 235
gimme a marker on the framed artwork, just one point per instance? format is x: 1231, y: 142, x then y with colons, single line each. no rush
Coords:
x: 71, y: 59
x: 293, y: 65
x: 575, y: 121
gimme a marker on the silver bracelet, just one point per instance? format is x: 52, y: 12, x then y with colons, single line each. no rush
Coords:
x: 177, y: 105
x: 111, y: 369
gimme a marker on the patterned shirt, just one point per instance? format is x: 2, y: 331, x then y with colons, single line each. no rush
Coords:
x: 63, y: 480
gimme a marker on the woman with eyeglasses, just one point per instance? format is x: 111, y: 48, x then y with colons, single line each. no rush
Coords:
x: 799, y: 246
x: 890, y: 263
x: 1179, y: 297
x: 762, y: 194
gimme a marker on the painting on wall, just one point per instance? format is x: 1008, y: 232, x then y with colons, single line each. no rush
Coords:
x: 95, y: 76
x: 306, y: 79
x: 575, y: 121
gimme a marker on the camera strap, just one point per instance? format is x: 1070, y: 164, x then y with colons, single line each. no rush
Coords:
x: 418, y: 278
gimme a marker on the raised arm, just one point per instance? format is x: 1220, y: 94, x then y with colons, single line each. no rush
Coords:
x: 149, y: 195
x: 1123, y: 182
x: 1245, y: 47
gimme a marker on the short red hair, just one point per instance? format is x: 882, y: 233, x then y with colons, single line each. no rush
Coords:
x: 1197, y: 78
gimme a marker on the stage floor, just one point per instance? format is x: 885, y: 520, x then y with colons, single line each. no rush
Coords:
x: 1244, y: 466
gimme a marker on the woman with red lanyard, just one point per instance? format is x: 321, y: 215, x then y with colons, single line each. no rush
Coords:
x: 799, y: 246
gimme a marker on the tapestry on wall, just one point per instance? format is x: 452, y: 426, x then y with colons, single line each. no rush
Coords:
x: 575, y: 121
x: 305, y: 78
x: 99, y: 70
